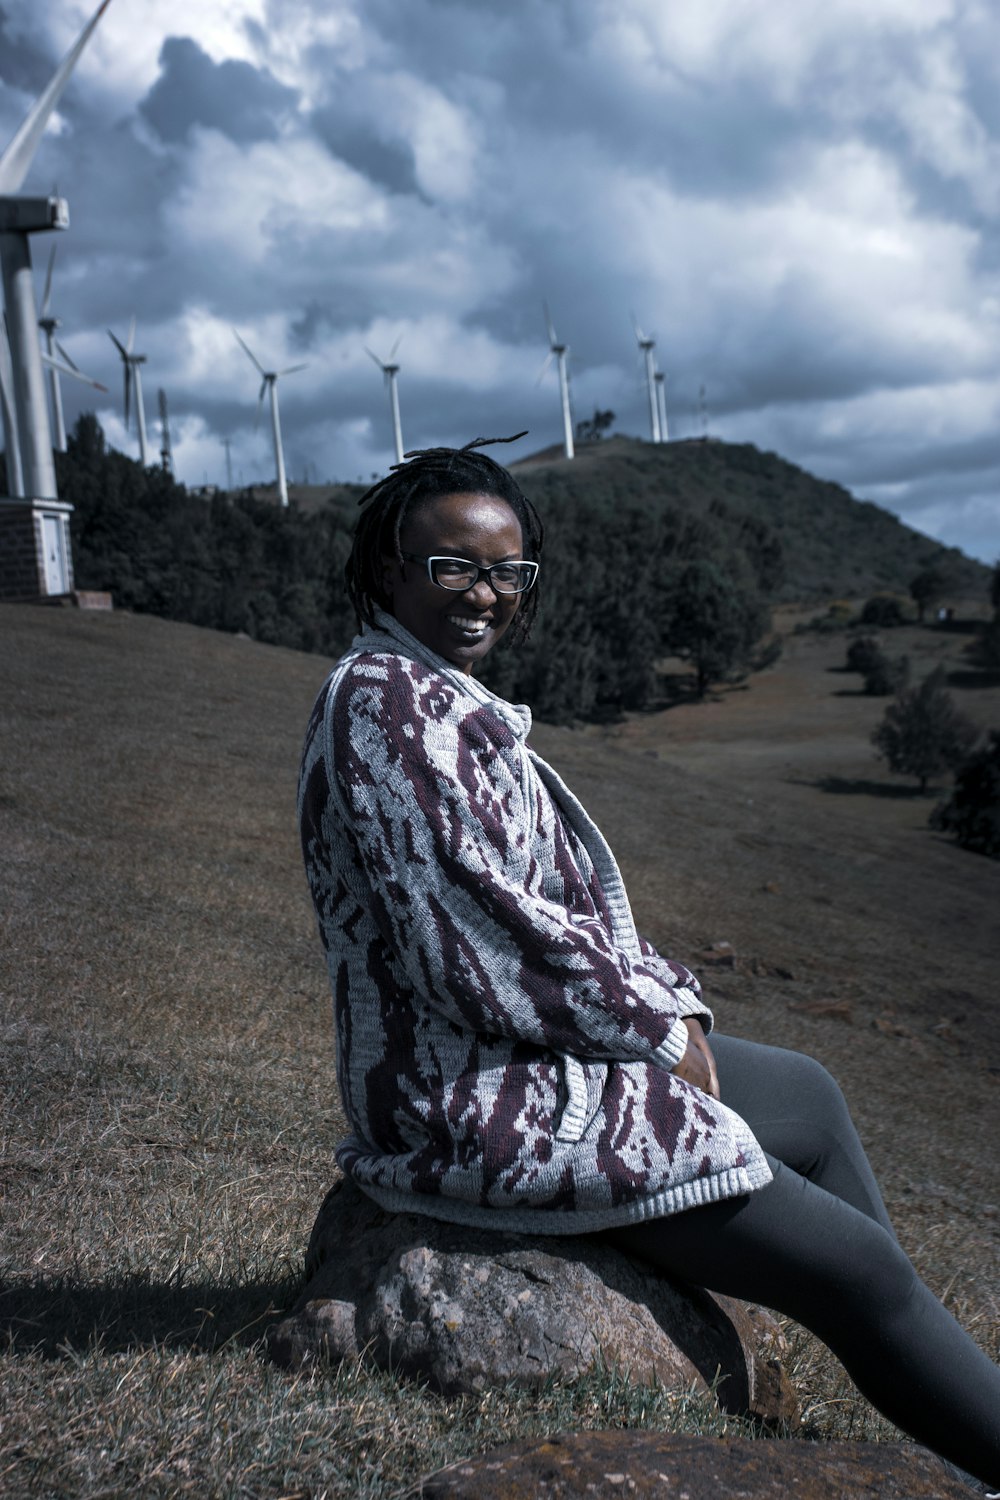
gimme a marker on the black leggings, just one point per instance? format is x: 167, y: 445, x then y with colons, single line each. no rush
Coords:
x: 816, y: 1244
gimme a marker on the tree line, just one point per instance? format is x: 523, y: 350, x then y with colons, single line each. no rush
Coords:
x: 624, y: 584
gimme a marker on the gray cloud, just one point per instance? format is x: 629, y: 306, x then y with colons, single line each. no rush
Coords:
x: 803, y: 211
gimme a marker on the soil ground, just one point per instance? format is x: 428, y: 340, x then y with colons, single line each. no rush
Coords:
x: 166, y: 1050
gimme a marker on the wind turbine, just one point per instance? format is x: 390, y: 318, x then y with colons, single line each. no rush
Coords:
x: 20, y: 217
x: 48, y: 324
x: 131, y: 364
x: 390, y: 371
x: 661, y: 404
x: 269, y: 382
x: 166, y: 454
x: 559, y: 352
x: 647, y: 345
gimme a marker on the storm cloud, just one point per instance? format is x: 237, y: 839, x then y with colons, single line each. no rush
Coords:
x: 799, y: 202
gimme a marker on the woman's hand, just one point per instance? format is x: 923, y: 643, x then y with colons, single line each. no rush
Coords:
x: 697, y: 1066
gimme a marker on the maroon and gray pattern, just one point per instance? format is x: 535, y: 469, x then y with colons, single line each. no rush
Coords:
x: 504, y: 1037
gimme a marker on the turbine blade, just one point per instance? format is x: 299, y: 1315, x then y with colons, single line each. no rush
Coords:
x: 64, y: 356
x: 392, y: 351
x: 70, y: 369
x: 118, y: 345
x: 291, y: 370
x: 16, y: 160
x: 249, y: 352
x: 375, y: 358
x: 545, y: 365
x: 639, y: 335
x: 131, y: 335
x: 47, y: 295
x: 260, y: 403
x: 549, y: 325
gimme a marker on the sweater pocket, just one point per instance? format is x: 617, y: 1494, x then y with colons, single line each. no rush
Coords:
x: 584, y: 1090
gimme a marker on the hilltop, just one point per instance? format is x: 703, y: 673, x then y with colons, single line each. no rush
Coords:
x: 833, y: 545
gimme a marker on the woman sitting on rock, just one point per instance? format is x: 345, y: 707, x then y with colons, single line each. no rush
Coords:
x: 511, y: 1053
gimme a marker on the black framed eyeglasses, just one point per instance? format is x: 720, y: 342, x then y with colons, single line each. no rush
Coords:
x: 459, y: 574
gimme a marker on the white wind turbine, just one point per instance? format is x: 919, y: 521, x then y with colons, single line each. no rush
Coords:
x: 269, y: 382
x: 58, y: 362
x: 131, y: 369
x: 647, y: 345
x: 25, y: 405
x: 559, y: 352
x: 390, y: 371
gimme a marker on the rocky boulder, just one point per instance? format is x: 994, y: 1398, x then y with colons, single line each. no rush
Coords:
x: 469, y: 1309
x: 602, y: 1465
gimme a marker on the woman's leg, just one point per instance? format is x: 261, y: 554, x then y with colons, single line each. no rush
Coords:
x: 798, y: 1114
x: 805, y: 1252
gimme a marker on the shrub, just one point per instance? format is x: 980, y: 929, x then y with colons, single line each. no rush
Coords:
x: 923, y: 734
x: 862, y: 652
x: 928, y: 585
x: 972, y: 812
x: 886, y: 675
x: 882, y: 610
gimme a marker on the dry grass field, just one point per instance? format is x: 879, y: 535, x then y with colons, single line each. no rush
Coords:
x: 170, y: 1110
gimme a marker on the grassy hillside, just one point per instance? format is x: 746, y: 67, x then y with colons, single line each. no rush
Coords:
x: 166, y: 1051
x: 833, y: 545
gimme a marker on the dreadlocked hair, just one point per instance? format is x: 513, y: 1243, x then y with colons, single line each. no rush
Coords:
x: 427, y: 474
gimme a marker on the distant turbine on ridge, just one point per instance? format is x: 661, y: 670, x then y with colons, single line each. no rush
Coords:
x: 166, y: 453
x: 647, y: 345
x: 558, y: 352
x: 133, y: 382
x: 269, y: 382
x: 390, y: 371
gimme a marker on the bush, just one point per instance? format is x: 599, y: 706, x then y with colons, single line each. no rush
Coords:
x: 972, y: 812
x: 862, y: 652
x: 923, y: 734
x: 882, y: 610
x: 886, y: 675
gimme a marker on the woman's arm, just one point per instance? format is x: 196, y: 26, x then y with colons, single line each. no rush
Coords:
x: 436, y: 812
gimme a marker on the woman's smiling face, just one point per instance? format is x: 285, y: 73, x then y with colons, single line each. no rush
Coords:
x: 462, y: 626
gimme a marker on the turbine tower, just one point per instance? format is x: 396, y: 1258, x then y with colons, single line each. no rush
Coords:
x: 269, y: 382
x: 559, y: 352
x: 50, y: 569
x: 661, y: 404
x: 131, y: 364
x: 390, y: 371
x: 166, y: 455
x: 647, y: 345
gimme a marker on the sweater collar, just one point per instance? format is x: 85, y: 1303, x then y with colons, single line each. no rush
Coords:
x: 388, y: 635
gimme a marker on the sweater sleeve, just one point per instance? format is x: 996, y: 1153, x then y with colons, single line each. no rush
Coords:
x: 690, y: 997
x: 436, y: 812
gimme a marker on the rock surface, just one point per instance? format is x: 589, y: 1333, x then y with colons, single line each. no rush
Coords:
x: 601, y: 1465
x: 469, y: 1309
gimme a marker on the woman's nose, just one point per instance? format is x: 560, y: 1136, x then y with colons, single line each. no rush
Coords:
x: 481, y: 593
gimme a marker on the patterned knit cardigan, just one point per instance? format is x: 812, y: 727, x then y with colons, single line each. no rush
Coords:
x: 504, y: 1037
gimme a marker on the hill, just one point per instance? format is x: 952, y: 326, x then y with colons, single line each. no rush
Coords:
x: 833, y: 546
x: 166, y: 1046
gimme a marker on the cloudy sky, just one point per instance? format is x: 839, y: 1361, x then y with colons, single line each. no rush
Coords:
x: 799, y: 200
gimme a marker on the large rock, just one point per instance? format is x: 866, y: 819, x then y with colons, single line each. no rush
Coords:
x: 469, y: 1309
x: 602, y: 1465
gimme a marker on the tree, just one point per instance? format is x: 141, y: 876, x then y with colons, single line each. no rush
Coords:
x: 923, y: 734
x: 717, y: 619
x: 972, y: 812
x: 594, y: 428
x: 929, y: 584
x: 995, y: 588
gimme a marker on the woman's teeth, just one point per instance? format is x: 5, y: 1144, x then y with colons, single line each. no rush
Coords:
x: 471, y: 627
